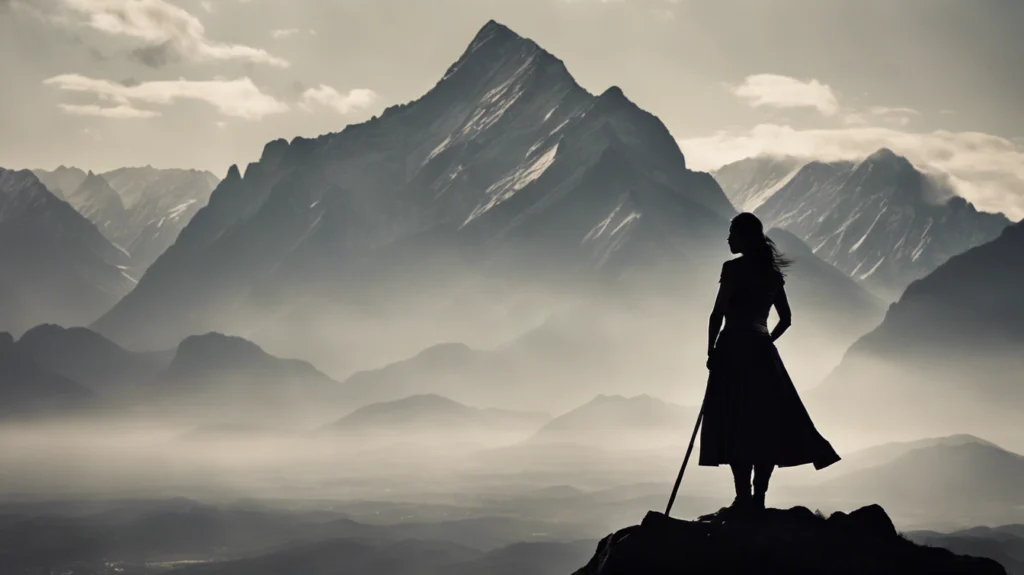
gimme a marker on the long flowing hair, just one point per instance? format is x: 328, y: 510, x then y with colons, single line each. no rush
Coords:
x: 759, y: 247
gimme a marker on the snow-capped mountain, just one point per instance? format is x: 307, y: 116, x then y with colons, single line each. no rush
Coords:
x: 506, y: 172
x: 140, y: 209
x: 881, y: 220
x: 55, y: 266
x: 749, y: 183
x: 505, y: 158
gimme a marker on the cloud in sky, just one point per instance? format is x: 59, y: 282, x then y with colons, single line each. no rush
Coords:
x: 985, y: 169
x: 121, y: 112
x: 238, y: 98
x: 284, y: 33
x: 159, y: 23
x: 356, y: 99
x: 888, y: 115
x: 778, y: 91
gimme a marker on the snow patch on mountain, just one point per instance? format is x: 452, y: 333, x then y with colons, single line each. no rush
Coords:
x: 880, y: 215
x: 506, y: 187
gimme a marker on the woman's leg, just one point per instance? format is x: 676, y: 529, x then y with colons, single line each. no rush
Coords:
x: 741, y: 479
x: 762, y: 475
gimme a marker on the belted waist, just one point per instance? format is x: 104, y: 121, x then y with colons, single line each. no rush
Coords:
x: 746, y: 326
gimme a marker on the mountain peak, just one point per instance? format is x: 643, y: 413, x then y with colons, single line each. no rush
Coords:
x: 274, y: 150
x: 493, y: 30
x: 495, y: 46
x: 93, y: 180
x: 614, y: 93
x: 621, y: 399
x: 888, y: 157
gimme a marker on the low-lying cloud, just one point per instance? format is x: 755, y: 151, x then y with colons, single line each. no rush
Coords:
x: 238, y: 98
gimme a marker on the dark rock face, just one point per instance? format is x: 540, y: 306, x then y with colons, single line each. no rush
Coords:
x: 791, y: 542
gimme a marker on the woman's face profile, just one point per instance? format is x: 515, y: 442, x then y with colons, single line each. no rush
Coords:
x: 735, y: 245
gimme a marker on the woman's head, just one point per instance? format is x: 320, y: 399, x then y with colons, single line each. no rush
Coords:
x: 746, y: 233
x: 746, y: 236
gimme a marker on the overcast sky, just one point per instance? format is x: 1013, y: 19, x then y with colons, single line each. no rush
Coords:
x: 205, y: 83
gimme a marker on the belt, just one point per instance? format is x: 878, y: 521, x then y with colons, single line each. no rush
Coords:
x: 746, y: 326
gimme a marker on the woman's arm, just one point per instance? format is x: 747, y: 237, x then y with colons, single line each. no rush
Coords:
x: 785, y: 314
x: 718, y: 312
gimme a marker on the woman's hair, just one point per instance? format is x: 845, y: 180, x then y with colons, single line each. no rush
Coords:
x: 758, y: 246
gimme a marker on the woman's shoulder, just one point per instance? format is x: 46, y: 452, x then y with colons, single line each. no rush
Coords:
x: 743, y: 268
x: 730, y: 268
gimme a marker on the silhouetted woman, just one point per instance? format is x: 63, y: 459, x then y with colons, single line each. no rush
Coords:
x: 753, y: 418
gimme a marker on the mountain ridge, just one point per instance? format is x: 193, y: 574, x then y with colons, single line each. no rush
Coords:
x: 497, y: 120
x: 880, y: 220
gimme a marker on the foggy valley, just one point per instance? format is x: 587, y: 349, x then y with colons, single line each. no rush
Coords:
x: 465, y: 330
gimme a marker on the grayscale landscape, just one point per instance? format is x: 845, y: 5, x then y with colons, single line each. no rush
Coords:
x: 388, y: 288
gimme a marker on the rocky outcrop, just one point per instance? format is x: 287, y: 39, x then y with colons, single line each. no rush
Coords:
x: 791, y: 542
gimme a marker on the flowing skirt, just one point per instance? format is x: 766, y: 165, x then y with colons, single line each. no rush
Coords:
x: 752, y: 412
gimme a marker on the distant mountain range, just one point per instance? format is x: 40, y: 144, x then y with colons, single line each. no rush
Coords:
x: 956, y: 480
x: 750, y: 182
x: 52, y: 370
x: 1004, y: 544
x: 432, y: 416
x: 92, y: 360
x: 140, y: 209
x: 55, y: 265
x: 212, y: 370
x: 880, y: 220
x: 100, y: 204
x: 640, y: 422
